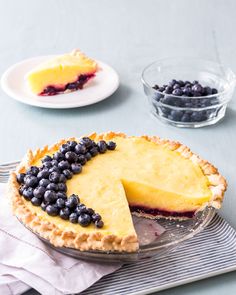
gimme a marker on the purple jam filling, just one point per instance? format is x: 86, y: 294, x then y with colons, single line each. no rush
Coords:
x: 156, y: 212
x: 78, y: 84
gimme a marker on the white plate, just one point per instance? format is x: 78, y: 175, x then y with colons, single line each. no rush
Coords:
x: 102, y: 86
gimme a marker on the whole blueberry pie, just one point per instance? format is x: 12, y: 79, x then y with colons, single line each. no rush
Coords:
x: 80, y: 193
x: 62, y: 74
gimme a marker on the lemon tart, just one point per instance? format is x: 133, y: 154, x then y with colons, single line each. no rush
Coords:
x: 65, y: 73
x: 101, y: 179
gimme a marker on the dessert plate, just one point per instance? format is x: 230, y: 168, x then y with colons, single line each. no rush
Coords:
x: 175, y: 233
x: 102, y: 86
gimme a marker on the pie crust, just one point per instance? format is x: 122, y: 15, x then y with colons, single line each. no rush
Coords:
x: 98, y: 241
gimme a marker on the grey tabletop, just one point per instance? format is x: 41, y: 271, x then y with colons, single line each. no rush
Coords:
x: 127, y: 35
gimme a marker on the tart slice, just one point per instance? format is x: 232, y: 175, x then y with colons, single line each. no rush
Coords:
x: 65, y: 73
x: 80, y: 193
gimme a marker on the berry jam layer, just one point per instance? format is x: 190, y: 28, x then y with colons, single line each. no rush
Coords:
x: 157, y: 212
x: 78, y: 84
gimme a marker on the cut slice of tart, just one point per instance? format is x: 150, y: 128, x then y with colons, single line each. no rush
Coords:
x: 146, y: 175
x: 65, y: 73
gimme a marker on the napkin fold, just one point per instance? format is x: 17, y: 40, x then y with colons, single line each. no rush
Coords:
x: 26, y: 262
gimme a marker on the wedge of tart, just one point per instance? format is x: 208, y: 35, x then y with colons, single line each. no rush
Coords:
x: 144, y: 175
x: 65, y: 73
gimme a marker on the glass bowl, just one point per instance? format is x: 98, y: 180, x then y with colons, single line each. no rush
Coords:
x: 175, y: 233
x: 183, y: 111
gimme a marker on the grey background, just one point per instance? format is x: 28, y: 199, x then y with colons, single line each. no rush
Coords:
x: 126, y: 34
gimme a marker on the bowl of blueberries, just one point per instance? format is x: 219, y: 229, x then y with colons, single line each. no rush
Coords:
x: 188, y: 92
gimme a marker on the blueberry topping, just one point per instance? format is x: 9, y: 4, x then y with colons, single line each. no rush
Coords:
x: 39, y: 192
x: 58, y: 156
x: 54, y: 177
x: 33, y: 170
x: 76, y: 168
x: 61, y: 195
x: 52, y: 210
x: 43, y: 174
x: 90, y: 211
x: 72, y: 201
x: 68, y: 174
x: 71, y: 157
x: 73, y: 217
x: 50, y: 196
x: 47, y: 164
x: 87, y: 142
x: 65, y: 148
x: 99, y: 223
x: 60, y: 203
x: 84, y: 220
x: 62, y: 187
x: 36, y: 202
x: 94, y: 151
x: 31, y: 181
x: 44, y: 205
x: 65, y: 213
x: 62, y: 178
x: 47, y: 159
x: 81, y: 208
x: 72, y: 144
x: 52, y: 187
x: 80, y: 149
x: 20, y: 178
x: 102, y: 146
x: 96, y: 217
x: 54, y: 169
x: 88, y: 156
x: 63, y: 165
x: 82, y: 159
x: 54, y: 162
x: 28, y: 193
x: 44, y: 182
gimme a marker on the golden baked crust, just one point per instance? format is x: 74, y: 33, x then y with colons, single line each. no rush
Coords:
x: 98, y: 241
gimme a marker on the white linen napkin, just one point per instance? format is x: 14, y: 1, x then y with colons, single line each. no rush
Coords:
x: 26, y: 262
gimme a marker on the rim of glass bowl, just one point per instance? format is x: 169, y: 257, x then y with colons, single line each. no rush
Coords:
x: 223, y: 68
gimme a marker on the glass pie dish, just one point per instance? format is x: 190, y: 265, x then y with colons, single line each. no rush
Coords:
x: 175, y: 233
x: 185, y: 111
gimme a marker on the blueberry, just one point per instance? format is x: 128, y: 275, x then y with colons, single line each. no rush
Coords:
x: 214, y: 101
x: 60, y: 203
x: 47, y: 164
x: 165, y: 111
x: 72, y: 86
x: 186, y: 118
x: 72, y: 201
x: 196, y: 94
x: 62, y: 178
x: 161, y: 89
x: 52, y: 210
x: 84, y: 219
x: 21, y: 189
x: 54, y: 177
x: 197, y: 117
x: 31, y: 181
x: 58, y: 156
x: 177, y: 92
x: 61, y: 195
x: 96, y: 217
x: 71, y: 157
x: 175, y: 115
x: 99, y: 223
x: 36, y: 202
x: 158, y: 96
x: 181, y: 83
x: 65, y: 213
x: 20, y: 178
x: 33, y: 170
x: 65, y: 148
x: 88, y: 156
x: 73, y: 218
x: 168, y: 90
x: 187, y: 83
x: 168, y: 100
x: 206, y: 102
x: 46, y: 159
x: 54, y: 163
x: 43, y: 174
x: 90, y: 211
x: 111, y: 145
x: 68, y: 174
x: 54, y: 169
x: 176, y: 86
x: 156, y: 87
x: 102, y: 146
x: 44, y: 182
x: 80, y: 149
x: 44, y: 205
x: 207, y: 90
x: 52, y: 187
x: 28, y: 193
x: 87, y: 142
x: 62, y: 187
x: 50, y: 196
x: 64, y: 165
x: 187, y: 91
x: 214, y: 91
x: 82, y: 159
x: 39, y: 192
x: 72, y: 144
x: 81, y: 208
x: 76, y: 168
x: 195, y: 82
x: 172, y: 82
x: 197, y: 88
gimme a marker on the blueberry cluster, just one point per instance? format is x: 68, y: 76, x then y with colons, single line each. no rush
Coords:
x: 186, y: 94
x: 45, y: 186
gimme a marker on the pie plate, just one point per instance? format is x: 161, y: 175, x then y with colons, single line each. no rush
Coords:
x: 175, y: 233
x: 104, y: 84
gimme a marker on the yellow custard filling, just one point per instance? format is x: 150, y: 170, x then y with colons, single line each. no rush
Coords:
x: 138, y: 172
